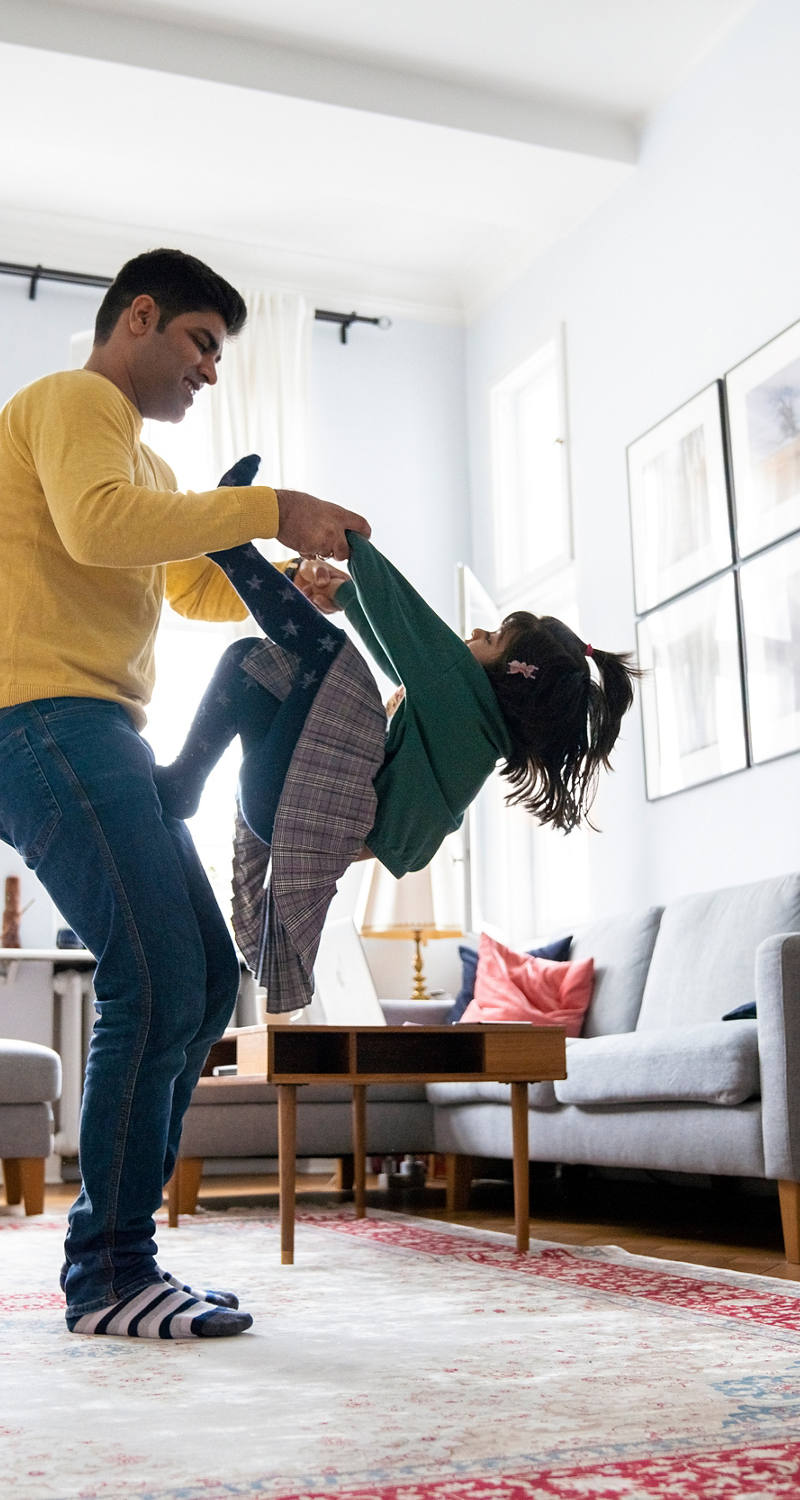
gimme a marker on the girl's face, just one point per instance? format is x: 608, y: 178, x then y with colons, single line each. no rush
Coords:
x: 487, y: 646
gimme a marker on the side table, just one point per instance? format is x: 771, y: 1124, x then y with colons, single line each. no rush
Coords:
x: 289, y: 1056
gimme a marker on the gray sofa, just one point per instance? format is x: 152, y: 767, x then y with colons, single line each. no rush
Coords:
x: 657, y: 1080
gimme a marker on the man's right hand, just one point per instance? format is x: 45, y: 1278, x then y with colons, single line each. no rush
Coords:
x: 315, y: 528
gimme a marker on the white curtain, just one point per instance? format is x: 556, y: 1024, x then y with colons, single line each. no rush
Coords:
x: 261, y: 404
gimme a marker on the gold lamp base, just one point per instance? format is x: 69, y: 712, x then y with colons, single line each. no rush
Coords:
x: 419, y: 989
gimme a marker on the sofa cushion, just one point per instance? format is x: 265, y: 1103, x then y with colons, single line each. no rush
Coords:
x: 704, y: 959
x: 711, y: 1064
x: 249, y: 1089
x: 29, y: 1072
x: 540, y: 1095
x: 513, y: 986
x: 621, y: 948
x: 557, y: 950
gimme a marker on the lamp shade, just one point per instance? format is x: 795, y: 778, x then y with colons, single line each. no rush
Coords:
x: 424, y: 903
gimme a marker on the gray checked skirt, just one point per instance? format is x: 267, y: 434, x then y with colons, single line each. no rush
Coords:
x: 282, y: 891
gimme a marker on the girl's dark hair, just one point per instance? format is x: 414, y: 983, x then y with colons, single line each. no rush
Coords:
x: 178, y: 283
x: 563, y: 722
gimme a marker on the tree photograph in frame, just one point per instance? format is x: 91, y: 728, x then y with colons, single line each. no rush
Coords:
x: 770, y: 587
x: 763, y: 399
x: 692, y: 708
x: 678, y: 494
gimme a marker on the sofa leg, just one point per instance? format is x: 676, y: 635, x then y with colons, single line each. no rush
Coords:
x: 458, y: 1176
x: 24, y: 1180
x: 789, y: 1196
x: 183, y: 1188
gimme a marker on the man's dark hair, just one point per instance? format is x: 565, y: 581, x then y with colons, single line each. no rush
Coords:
x: 178, y: 283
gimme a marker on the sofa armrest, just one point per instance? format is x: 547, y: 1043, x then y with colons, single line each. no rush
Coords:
x: 778, y: 1008
x: 422, y: 1012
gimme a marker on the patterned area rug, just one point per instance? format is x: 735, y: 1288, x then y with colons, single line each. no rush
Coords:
x: 404, y: 1360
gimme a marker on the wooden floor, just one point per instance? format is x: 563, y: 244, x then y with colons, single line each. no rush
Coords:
x: 723, y: 1225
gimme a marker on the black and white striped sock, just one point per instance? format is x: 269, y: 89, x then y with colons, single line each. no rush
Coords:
x: 159, y: 1312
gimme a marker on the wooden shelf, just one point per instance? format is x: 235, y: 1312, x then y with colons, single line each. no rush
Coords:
x: 417, y: 1054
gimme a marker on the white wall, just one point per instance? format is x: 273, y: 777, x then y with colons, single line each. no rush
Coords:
x: 688, y: 269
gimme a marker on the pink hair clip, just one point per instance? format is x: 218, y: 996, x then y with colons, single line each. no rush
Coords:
x: 524, y: 668
x: 587, y: 651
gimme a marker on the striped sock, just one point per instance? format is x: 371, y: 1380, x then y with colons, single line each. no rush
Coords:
x: 158, y: 1312
x: 219, y: 1299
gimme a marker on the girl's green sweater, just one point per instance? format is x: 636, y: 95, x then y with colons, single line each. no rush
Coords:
x: 448, y: 733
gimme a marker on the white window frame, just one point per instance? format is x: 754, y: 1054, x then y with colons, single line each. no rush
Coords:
x: 530, y: 510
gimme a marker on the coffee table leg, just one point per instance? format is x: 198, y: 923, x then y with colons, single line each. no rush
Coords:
x: 359, y: 1147
x: 519, y: 1127
x: 287, y: 1147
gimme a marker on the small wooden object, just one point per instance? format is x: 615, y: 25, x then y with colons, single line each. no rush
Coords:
x: 12, y: 913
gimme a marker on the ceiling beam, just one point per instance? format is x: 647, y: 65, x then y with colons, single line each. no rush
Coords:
x: 248, y: 62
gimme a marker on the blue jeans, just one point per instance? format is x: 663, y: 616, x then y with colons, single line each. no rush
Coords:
x: 78, y: 801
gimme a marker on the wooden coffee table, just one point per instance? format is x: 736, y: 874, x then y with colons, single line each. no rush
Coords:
x: 290, y: 1056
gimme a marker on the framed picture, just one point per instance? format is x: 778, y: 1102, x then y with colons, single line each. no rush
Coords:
x: 763, y: 399
x: 678, y: 490
x: 770, y: 587
x: 692, y: 704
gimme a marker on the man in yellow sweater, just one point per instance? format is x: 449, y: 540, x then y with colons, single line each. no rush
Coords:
x: 95, y: 535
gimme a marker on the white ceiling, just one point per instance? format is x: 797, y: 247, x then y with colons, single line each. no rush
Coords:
x: 412, y: 156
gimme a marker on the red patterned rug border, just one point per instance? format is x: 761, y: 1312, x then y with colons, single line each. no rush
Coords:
x: 723, y: 1474
x: 706, y: 1291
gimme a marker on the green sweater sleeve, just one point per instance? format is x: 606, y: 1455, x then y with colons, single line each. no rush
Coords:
x: 407, y: 638
x: 348, y: 599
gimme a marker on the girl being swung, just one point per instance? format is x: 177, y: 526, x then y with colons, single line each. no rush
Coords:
x: 529, y: 696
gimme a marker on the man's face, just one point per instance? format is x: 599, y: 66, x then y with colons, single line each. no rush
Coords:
x: 170, y: 367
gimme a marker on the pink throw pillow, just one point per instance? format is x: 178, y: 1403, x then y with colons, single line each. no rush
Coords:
x: 516, y: 987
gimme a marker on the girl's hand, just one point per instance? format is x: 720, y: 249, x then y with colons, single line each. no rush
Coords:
x: 319, y: 581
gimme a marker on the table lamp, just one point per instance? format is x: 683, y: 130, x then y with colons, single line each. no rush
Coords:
x: 419, y: 906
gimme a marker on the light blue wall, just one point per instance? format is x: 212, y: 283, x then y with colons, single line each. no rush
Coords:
x: 688, y: 269
x: 388, y: 425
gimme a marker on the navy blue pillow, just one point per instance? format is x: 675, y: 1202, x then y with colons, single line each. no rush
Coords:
x: 558, y: 951
x: 745, y: 1012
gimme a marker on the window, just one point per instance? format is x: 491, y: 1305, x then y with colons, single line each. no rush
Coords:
x: 527, y: 881
x: 187, y: 652
x: 530, y: 472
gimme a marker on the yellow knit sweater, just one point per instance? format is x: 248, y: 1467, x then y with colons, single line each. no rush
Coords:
x: 93, y: 535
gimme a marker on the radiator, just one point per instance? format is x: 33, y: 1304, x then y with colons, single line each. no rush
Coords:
x: 74, y: 1019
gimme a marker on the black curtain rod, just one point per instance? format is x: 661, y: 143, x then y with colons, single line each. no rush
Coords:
x: 35, y: 274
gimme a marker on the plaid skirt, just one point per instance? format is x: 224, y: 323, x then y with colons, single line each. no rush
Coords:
x: 282, y: 891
